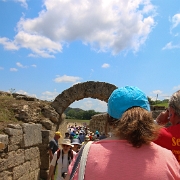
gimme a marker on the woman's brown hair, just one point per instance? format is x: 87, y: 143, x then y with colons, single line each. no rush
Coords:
x: 137, y: 127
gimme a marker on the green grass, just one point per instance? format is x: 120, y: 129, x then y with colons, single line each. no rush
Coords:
x: 6, y: 113
x: 77, y: 121
x: 161, y: 104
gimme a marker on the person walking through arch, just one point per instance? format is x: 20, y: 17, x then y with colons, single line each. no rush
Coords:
x: 130, y: 152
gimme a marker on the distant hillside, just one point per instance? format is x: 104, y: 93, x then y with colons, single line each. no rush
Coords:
x: 77, y: 113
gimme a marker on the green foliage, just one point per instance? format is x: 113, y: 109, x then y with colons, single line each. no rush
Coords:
x: 78, y: 121
x: 12, y: 90
x: 76, y: 113
x: 6, y: 113
x: 164, y: 102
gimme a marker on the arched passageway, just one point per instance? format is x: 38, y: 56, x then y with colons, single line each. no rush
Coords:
x: 89, y: 89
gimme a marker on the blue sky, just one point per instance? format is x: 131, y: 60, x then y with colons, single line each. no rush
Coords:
x: 48, y: 46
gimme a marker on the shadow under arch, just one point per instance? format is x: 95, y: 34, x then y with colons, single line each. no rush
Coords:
x: 89, y: 89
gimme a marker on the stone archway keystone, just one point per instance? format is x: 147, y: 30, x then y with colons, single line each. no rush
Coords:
x: 89, y: 89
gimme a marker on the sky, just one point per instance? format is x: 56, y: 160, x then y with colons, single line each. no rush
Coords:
x: 47, y: 46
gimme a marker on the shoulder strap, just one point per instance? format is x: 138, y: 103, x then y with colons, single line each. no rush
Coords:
x: 76, y: 163
x: 70, y: 155
x: 58, y: 154
x: 83, y: 161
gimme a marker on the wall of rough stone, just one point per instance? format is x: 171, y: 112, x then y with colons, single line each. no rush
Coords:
x: 25, y: 156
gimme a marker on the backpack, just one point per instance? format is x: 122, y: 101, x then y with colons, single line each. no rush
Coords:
x: 70, y: 155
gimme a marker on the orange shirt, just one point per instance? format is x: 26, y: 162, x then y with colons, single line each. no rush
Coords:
x: 169, y: 138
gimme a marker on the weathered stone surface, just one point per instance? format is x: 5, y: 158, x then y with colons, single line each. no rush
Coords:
x: 32, y: 134
x: 99, y: 90
x: 15, y: 140
x: 13, y: 159
x: 25, y: 176
x: 6, y: 175
x: 44, y: 156
x: 32, y: 153
x: 34, y: 164
x: 20, y: 170
x: 4, y: 139
x: 98, y: 122
x: 45, y: 136
x: 47, y: 124
x: 14, y: 126
x: 13, y: 147
x: 44, y: 174
x: 13, y: 132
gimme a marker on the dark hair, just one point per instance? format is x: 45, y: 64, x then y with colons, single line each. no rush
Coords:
x: 136, y: 126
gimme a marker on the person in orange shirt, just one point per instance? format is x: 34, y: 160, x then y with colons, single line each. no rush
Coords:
x: 170, y: 136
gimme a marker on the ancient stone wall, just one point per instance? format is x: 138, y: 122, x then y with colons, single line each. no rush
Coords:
x: 20, y: 159
x: 25, y: 155
x: 89, y: 89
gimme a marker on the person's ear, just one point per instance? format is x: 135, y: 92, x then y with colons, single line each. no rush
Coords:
x: 172, y: 113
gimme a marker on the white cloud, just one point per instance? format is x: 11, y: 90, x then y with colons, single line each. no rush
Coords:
x: 101, y: 106
x: 105, y: 65
x: 23, y: 3
x: 26, y: 93
x: 13, y: 69
x: 67, y: 79
x: 1, y: 68
x: 175, y: 20
x: 115, y: 26
x: 8, y: 44
x: 90, y: 104
x: 34, y: 65
x: 157, y: 92
x: 47, y: 95
x: 87, y: 105
x: 20, y: 65
x: 170, y: 46
x: 39, y: 45
x: 176, y: 87
x: 22, y: 92
x: 91, y: 73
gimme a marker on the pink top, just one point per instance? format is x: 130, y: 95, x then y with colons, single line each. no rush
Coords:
x: 117, y: 159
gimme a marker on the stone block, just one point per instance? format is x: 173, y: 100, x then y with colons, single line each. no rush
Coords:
x: 34, y: 164
x: 47, y: 124
x: 20, y: 170
x: 35, y: 175
x: 32, y: 134
x: 6, y: 175
x: 13, y: 147
x: 12, y: 159
x: 15, y: 139
x: 4, y: 139
x: 44, y: 174
x: 13, y: 132
x: 45, y: 136
x: 25, y: 177
x: 32, y: 153
x: 14, y: 126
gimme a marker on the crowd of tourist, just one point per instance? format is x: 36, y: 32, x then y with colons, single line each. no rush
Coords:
x: 138, y: 147
x: 73, y: 139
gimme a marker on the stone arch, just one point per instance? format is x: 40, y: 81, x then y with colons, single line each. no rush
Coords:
x: 89, y: 89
